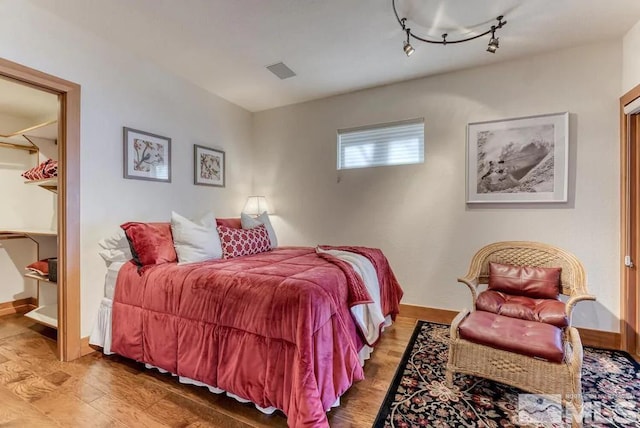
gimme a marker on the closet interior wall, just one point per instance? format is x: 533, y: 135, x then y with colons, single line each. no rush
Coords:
x: 25, y: 207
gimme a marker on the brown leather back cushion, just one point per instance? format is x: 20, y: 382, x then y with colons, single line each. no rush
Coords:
x: 534, y: 282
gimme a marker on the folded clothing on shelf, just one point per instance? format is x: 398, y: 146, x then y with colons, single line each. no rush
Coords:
x: 40, y: 267
x: 47, y: 169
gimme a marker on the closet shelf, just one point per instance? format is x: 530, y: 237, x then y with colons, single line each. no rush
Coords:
x: 25, y: 233
x: 22, y: 140
x: 47, y: 315
x: 12, y: 144
x: 48, y: 129
x: 39, y: 277
x: 50, y: 184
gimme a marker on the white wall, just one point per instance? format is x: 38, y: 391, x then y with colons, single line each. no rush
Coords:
x: 121, y: 89
x: 631, y: 58
x: 15, y: 254
x: 417, y: 214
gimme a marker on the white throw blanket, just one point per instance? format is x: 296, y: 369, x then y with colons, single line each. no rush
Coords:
x: 368, y: 316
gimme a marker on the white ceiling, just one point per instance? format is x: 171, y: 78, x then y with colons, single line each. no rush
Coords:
x: 334, y: 46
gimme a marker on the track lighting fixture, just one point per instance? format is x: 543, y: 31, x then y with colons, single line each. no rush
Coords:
x: 493, y: 42
x: 408, y: 49
x: 493, y: 46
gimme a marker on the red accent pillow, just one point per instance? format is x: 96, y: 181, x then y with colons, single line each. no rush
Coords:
x: 233, y: 223
x: 151, y: 243
x: 243, y: 242
x: 534, y: 282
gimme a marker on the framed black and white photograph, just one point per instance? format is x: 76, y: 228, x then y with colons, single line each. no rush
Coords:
x: 518, y: 160
x: 208, y: 166
x: 146, y: 156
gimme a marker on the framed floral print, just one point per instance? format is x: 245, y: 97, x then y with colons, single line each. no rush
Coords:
x: 146, y: 156
x: 208, y: 166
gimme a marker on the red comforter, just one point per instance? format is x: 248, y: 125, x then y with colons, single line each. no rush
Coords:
x: 274, y: 328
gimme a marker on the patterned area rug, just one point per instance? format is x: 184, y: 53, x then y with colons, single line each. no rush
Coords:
x: 419, y: 397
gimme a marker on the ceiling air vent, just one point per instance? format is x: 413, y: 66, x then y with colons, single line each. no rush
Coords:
x: 281, y: 70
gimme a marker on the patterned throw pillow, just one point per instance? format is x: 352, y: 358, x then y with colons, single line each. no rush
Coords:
x: 243, y: 242
x: 249, y: 222
x: 46, y: 169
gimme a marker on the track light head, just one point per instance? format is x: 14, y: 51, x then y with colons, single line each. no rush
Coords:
x: 408, y: 49
x: 493, y: 45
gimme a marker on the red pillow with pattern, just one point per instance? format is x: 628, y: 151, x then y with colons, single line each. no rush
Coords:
x: 243, y: 242
x: 151, y: 243
x: 46, y: 169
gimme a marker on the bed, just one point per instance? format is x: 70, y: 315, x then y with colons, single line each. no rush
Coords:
x: 285, y: 329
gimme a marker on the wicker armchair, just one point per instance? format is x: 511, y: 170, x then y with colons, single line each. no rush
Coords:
x: 527, y: 373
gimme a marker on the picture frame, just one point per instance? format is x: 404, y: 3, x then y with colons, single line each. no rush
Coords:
x: 209, y: 167
x: 147, y: 156
x: 519, y: 160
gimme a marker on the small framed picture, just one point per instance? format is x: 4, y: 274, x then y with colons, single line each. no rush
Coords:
x: 523, y: 159
x: 208, y: 166
x: 146, y: 156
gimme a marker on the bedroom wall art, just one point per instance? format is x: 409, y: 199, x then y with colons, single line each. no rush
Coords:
x: 208, y: 166
x: 518, y: 160
x: 146, y: 156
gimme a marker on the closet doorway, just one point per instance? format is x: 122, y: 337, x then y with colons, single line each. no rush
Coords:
x: 67, y: 225
x: 630, y: 224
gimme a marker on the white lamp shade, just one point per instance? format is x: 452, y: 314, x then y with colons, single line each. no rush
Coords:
x: 256, y: 205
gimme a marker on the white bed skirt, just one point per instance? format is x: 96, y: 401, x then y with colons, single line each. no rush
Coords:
x: 101, y: 333
x: 101, y: 336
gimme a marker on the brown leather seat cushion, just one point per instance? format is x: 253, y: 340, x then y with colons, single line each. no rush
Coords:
x: 530, y: 338
x: 550, y: 311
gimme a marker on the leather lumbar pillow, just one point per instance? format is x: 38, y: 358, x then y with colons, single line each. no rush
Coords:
x: 535, y: 282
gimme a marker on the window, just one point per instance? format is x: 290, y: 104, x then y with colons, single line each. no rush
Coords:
x: 397, y: 143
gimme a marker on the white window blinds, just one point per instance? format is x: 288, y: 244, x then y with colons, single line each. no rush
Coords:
x: 398, y: 143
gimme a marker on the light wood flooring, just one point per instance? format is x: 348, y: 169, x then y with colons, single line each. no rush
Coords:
x: 36, y: 390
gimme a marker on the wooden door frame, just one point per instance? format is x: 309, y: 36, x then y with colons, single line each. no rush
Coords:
x: 630, y: 276
x: 69, y: 343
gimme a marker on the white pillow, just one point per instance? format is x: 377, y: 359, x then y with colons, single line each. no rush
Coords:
x: 249, y: 222
x: 115, y: 248
x: 117, y: 240
x: 195, y: 241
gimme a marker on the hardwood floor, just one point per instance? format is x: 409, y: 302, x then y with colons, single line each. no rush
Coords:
x: 36, y: 390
